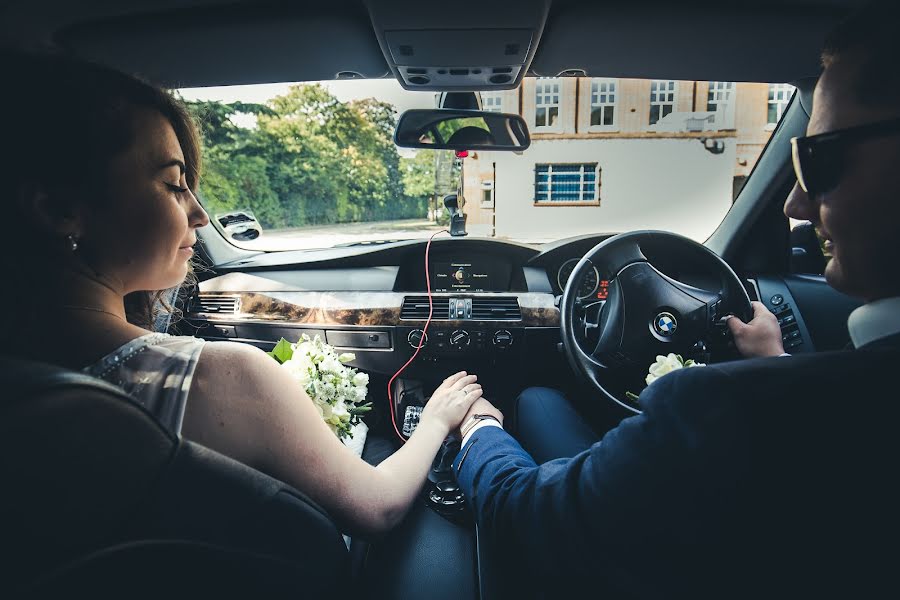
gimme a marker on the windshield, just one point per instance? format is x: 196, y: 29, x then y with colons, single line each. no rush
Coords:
x: 313, y: 165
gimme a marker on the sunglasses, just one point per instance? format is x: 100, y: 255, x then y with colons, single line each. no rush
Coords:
x: 818, y: 159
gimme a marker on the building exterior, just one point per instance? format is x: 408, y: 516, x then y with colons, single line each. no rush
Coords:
x: 608, y: 149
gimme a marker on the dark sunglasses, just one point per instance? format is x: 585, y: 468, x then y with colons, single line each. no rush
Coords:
x: 818, y: 159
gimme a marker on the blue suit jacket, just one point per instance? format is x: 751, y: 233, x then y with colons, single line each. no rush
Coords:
x: 757, y: 478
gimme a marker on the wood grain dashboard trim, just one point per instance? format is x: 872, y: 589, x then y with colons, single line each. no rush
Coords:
x: 364, y: 308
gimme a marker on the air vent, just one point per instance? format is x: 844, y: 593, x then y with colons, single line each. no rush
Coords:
x: 416, y: 308
x: 215, y: 304
x: 496, y: 309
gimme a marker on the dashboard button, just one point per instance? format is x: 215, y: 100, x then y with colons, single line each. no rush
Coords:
x: 502, y: 339
x: 415, y: 336
x: 460, y: 339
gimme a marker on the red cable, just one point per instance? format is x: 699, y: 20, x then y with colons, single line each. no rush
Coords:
x: 421, y: 341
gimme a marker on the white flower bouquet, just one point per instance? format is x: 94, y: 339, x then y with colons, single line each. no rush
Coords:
x: 663, y: 366
x: 338, y: 392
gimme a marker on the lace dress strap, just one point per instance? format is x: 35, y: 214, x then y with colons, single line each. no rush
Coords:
x: 157, y: 370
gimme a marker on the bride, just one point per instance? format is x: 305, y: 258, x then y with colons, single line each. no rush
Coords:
x: 101, y: 174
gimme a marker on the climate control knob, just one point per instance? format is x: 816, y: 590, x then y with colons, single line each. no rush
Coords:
x: 415, y: 337
x: 460, y: 339
x: 502, y: 339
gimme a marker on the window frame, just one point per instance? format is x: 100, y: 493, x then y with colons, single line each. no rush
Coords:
x: 595, y: 201
x: 614, y: 91
x: 781, y: 104
x: 496, y: 106
x: 724, y: 96
x: 661, y: 104
x: 538, y: 95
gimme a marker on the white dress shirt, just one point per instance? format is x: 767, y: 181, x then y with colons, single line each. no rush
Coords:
x: 875, y: 320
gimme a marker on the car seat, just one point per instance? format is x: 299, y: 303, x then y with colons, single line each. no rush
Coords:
x: 98, y: 500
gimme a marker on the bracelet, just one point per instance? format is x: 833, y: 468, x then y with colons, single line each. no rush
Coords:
x: 473, y: 420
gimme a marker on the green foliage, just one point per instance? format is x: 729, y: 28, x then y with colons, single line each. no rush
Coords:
x: 282, y: 352
x: 311, y: 159
x: 418, y: 174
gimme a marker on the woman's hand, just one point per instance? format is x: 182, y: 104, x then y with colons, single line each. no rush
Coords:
x: 760, y: 337
x: 451, y: 401
x: 481, y: 407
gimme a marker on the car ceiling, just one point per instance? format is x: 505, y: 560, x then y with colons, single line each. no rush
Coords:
x: 188, y: 43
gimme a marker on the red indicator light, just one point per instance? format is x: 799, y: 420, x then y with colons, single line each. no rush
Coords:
x: 462, y: 153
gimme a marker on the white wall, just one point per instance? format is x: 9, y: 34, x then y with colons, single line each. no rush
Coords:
x: 670, y: 184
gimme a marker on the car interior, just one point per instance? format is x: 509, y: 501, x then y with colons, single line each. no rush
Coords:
x: 99, y: 497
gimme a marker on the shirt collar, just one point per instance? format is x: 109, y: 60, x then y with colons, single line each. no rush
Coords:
x: 875, y: 320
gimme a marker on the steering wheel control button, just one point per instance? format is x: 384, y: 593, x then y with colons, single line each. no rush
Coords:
x: 460, y: 339
x: 665, y: 324
x: 776, y: 300
x: 415, y: 336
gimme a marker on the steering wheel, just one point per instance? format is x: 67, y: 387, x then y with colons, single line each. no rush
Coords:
x: 646, y: 312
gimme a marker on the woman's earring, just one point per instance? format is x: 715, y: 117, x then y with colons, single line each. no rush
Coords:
x: 72, y: 242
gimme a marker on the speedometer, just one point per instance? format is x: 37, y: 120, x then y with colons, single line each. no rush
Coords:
x: 588, y: 286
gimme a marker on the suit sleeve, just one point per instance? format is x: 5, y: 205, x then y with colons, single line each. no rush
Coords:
x: 630, y: 498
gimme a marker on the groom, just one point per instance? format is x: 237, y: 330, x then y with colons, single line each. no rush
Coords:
x: 770, y: 477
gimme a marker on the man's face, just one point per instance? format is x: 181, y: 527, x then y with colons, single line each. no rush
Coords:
x: 859, y: 220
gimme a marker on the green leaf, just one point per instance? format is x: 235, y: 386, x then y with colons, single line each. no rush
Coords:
x: 282, y: 352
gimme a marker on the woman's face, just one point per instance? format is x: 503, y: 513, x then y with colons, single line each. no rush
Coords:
x: 142, y: 233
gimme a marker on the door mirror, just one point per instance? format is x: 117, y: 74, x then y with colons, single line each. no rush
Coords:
x: 239, y: 225
x: 442, y: 129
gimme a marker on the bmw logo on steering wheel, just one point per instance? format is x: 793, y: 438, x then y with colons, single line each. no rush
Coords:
x: 665, y: 324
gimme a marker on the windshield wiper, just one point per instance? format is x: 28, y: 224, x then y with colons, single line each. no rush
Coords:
x: 368, y: 243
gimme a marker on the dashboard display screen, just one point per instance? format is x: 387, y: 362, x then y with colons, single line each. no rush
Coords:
x: 469, y: 276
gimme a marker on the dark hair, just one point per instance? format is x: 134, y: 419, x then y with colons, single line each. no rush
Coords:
x: 872, y: 32
x: 65, y: 120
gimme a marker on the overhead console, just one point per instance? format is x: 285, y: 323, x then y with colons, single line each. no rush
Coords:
x: 440, y: 47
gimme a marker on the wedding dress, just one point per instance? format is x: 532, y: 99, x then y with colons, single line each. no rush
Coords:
x: 156, y: 369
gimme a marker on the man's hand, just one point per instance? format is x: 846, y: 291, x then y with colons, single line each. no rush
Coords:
x: 760, y: 337
x: 481, y: 407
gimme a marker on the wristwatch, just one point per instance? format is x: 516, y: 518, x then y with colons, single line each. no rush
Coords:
x: 473, y: 420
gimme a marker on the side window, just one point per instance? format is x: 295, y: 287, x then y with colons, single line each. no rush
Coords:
x: 720, y: 100
x: 779, y: 97
x: 546, y: 103
x: 662, y: 99
x: 603, y: 104
x: 562, y: 184
x: 492, y: 101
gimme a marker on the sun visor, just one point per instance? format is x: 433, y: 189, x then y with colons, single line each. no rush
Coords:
x: 433, y: 48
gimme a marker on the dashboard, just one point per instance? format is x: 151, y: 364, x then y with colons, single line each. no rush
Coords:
x: 491, y: 300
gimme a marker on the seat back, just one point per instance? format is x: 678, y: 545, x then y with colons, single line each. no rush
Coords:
x: 91, y: 481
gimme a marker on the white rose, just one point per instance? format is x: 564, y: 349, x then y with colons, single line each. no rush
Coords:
x: 361, y: 379
x: 360, y: 394
x: 340, y: 410
x: 667, y: 364
x: 325, y: 409
x: 330, y: 364
x: 298, y: 371
x: 346, y: 357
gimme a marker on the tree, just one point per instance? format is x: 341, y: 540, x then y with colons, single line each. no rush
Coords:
x: 310, y: 159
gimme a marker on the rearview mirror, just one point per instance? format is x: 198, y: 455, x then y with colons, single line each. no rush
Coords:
x: 442, y: 129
